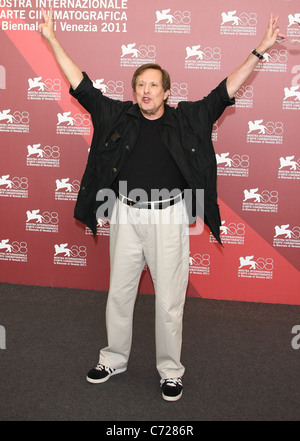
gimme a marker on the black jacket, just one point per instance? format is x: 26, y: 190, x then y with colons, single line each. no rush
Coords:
x: 186, y: 132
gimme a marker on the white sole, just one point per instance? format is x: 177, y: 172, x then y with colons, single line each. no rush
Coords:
x: 167, y: 398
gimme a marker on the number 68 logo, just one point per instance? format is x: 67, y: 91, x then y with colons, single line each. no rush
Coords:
x: 19, y: 247
x: 266, y: 264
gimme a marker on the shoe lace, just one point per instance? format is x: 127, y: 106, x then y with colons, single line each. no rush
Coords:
x: 173, y: 382
x: 101, y: 367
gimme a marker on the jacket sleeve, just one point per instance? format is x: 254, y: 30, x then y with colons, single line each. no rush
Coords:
x: 203, y: 113
x: 92, y: 99
x: 217, y: 101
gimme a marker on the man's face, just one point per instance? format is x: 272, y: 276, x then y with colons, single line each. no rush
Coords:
x: 150, y: 94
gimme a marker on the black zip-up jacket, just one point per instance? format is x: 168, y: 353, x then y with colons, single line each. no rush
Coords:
x: 186, y: 132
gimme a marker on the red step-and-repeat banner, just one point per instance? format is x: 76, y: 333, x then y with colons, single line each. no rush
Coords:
x: 45, y: 137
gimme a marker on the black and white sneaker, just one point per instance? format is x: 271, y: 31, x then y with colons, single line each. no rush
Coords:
x: 171, y: 389
x: 101, y: 373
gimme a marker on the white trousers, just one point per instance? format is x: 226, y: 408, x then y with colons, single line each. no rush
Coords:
x: 159, y: 238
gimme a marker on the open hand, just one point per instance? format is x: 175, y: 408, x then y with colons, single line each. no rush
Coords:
x: 271, y: 36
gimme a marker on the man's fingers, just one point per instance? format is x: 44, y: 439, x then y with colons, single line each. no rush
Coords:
x: 271, y: 20
x: 44, y: 15
x: 47, y: 18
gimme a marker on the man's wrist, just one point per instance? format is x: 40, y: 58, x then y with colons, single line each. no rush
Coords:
x: 53, y: 42
x: 257, y: 54
x: 261, y: 50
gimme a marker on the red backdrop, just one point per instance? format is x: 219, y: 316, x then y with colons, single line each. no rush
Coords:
x: 45, y: 136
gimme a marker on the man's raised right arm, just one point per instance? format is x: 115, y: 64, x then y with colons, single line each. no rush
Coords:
x: 67, y: 65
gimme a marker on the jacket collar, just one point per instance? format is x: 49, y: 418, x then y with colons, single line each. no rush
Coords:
x: 168, y: 119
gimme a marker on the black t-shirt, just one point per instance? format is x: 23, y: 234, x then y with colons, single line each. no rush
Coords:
x: 151, y: 165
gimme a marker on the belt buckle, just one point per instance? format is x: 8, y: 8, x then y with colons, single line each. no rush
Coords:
x: 132, y: 203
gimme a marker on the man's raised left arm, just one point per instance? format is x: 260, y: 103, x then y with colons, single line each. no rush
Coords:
x: 238, y: 77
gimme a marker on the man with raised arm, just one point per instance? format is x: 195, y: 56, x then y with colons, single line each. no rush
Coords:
x: 158, y: 152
